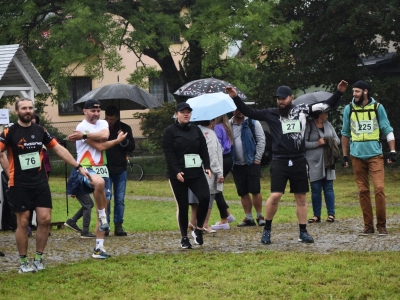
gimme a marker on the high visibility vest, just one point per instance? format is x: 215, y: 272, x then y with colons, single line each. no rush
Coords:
x: 364, y: 123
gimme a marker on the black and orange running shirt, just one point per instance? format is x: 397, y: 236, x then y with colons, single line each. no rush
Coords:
x: 25, y: 154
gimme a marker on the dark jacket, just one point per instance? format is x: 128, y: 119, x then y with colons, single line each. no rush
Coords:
x: 116, y: 156
x: 179, y: 140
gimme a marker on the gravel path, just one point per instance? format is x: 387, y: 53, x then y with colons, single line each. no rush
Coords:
x: 65, y: 245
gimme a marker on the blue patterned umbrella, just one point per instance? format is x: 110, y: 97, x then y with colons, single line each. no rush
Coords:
x: 205, y: 86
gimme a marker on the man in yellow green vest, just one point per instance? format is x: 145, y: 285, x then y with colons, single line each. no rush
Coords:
x: 363, y: 120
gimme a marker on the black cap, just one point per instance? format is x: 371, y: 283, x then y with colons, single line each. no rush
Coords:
x: 283, y: 91
x: 92, y: 103
x: 183, y: 105
x: 361, y: 85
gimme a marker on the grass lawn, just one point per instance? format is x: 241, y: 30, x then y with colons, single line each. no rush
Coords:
x: 198, y: 275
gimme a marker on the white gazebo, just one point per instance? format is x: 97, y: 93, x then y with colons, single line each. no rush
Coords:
x: 18, y: 76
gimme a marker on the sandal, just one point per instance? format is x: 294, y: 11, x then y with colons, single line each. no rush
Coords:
x: 331, y: 219
x: 314, y: 219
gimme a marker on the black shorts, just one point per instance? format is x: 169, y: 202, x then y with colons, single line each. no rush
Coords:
x: 23, y: 199
x: 297, y: 175
x: 247, y: 178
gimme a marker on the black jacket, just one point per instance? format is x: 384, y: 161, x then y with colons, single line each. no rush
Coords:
x: 116, y: 156
x: 179, y: 140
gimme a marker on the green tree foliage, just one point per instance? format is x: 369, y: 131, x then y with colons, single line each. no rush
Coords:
x: 154, y: 124
x: 60, y: 35
x: 334, y: 38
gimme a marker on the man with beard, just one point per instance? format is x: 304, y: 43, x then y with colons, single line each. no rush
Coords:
x: 287, y: 124
x: 91, y: 142
x: 28, y: 185
x: 246, y: 155
x: 363, y: 120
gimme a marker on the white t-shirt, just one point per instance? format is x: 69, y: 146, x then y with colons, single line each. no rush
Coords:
x: 87, y: 155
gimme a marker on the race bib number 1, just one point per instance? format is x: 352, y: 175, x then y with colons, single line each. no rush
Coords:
x: 102, y: 171
x: 29, y: 160
x: 192, y: 161
x: 291, y: 126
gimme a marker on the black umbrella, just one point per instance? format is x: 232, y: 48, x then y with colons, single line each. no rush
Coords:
x: 205, y: 86
x: 312, y: 98
x: 123, y: 96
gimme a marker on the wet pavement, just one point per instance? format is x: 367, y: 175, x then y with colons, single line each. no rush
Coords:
x: 65, y: 245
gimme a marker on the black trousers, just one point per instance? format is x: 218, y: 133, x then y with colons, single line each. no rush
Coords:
x: 199, y: 187
x: 219, y: 197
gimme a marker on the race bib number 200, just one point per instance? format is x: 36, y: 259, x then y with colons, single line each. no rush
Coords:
x: 29, y: 160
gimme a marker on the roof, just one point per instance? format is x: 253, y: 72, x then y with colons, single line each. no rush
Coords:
x: 381, y: 59
x: 17, y: 73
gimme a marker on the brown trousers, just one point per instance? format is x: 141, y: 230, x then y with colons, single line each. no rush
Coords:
x: 374, y: 167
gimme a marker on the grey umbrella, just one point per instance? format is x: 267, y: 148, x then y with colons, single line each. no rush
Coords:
x: 123, y: 96
x: 312, y: 98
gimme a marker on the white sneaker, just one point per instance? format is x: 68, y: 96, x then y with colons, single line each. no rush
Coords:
x: 231, y: 218
x: 103, y: 223
x: 39, y: 264
x: 219, y: 226
x: 26, y: 267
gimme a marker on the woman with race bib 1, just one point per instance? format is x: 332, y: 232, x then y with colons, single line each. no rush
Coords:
x: 186, y: 154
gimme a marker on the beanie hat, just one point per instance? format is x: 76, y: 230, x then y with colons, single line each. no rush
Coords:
x: 362, y: 85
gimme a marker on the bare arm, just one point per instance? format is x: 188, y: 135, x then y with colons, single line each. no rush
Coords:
x: 100, y: 146
x: 64, y: 154
x: 4, y: 163
x: 99, y: 136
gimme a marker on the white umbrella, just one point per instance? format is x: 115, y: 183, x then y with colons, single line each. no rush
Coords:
x: 210, y: 106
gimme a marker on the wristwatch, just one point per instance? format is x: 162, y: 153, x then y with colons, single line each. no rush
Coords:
x: 78, y: 167
x: 84, y: 136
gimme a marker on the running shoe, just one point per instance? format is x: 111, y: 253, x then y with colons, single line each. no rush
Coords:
x: 305, y: 237
x: 72, y: 225
x: 219, y: 226
x: 87, y: 235
x: 198, y: 236
x: 38, y: 264
x: 231, y: 218
x: 260, y: 221
x: 266, y: 237
x: 247, y: 222
x: 100, y: 253
x: 103, y: 223
x: 26, y: 267
x: 185, y: 243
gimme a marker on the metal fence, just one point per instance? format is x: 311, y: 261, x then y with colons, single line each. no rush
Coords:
x: 68, y: 127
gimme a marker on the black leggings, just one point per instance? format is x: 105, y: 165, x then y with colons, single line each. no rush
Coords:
x: 200, y: 189
x: 219, y: 197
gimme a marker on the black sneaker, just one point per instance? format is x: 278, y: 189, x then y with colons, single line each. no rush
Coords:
x: 198, y: 236
x: 185, y: 243
x: 87, y: 235
x: 305, y: 237
x: 247, y: 222
x: 266, y: 237
x: 72, y: 225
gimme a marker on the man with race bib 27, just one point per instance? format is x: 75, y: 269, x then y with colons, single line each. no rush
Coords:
x: 91, y: 142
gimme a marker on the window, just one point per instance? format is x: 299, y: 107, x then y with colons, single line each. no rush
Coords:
x: 159, y: 88
x: 79, y: 86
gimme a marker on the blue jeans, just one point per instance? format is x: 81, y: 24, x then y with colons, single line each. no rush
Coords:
x: 119, y: 183
x: 316, y: 196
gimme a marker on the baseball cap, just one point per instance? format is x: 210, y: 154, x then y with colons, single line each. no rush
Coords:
x: 183, y: 105
x: 283, y: 91
x: 92, y: 103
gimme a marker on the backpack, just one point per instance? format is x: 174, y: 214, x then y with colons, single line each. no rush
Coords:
x: 267, y: 155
